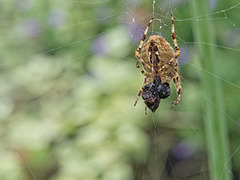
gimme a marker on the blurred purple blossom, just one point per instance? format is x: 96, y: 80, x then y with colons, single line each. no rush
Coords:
x: 185, y: 55
x: 231, y: 37
x: 213, y: 4
x: 182, y: 151
x: 23, y: 5
x: 99, y: 46
x: 135, y: 32
x: 57, y: 17
x: 31, y: 27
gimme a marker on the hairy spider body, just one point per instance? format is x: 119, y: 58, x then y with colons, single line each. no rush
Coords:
x: 161, y: 66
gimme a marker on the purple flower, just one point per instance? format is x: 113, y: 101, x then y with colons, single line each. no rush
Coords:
x: 185, y: 55
x: 136, y: 32
x: 99, y: 46
x: 57, y: 17
x: 232, y: 37
x: 182, y: 151
x: 31, y: 27
x: 23, y: 5
x: 213, y: 4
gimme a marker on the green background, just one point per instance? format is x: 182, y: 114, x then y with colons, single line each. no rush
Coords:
x: 68, y: 83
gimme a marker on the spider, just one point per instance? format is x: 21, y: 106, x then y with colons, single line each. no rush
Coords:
x: 160, y: 63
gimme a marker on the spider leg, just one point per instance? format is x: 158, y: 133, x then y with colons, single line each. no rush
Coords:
x: 175, y: 40
x: 140, y: 69
x: 174, y: 62
x: 143, y: 37
x: 137, y: 52
x: 176, y: 78
x: 177, y: 83
x: 145, y: 109
x: 140, y: 91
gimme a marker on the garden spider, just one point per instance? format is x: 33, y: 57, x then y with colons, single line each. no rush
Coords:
x: 161, y: 65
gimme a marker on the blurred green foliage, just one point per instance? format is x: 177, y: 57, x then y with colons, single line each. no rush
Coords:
x: 68, y: 84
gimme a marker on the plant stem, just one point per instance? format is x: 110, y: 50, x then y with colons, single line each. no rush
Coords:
x: 214, y: 119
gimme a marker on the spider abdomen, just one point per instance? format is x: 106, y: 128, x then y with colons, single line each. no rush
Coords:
x: 157, y: 45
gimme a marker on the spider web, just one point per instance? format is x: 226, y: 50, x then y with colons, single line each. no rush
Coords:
x: 68, y: 84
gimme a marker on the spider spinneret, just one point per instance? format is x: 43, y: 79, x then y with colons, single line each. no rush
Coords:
x: 161, y: 66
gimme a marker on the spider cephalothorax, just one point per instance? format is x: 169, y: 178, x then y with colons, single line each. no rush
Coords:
x: 160, y: 64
